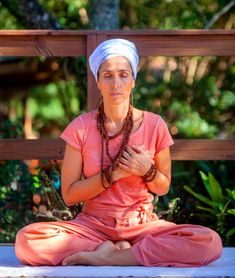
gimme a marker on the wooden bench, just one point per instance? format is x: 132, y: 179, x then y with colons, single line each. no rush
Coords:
x: 31, y: 43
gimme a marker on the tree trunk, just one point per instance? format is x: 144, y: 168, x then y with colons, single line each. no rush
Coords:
x: 31, y: 14
x: 104, y: 14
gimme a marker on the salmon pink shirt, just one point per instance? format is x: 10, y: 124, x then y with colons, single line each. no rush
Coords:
x: 128, y: 194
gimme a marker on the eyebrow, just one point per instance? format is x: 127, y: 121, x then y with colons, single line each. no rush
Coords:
x: 121, y: 70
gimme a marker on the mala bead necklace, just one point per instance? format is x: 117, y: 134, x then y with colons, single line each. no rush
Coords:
x: 125, y: 130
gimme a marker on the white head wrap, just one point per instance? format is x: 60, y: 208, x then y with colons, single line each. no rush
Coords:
x: 112, y: 48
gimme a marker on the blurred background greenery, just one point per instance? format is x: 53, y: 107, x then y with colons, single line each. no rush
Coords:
x: 40, y: 96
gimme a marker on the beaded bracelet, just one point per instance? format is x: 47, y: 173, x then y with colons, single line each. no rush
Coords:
x: 151, y: 174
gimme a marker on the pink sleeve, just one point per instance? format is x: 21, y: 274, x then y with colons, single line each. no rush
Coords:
x: 164, y: 138
x: 74, y: 133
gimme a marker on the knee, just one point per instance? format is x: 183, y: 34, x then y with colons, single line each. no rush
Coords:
x: 214, y: 238
x: 213, y: 246
x: 21, y: 245
x: 25, y: 246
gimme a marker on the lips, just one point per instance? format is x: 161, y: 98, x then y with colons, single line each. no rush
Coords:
x: 115, y: 94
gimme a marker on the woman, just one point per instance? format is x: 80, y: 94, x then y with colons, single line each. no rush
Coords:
x: 123, y: 155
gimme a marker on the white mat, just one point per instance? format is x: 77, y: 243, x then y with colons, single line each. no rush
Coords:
x: 11, y: 267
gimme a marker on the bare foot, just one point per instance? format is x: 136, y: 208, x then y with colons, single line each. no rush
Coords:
x: 123, y: 244
x: 101, y: 256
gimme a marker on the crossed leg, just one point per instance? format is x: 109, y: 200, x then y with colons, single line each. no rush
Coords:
x: 55, y: 243
x: 178, y: 246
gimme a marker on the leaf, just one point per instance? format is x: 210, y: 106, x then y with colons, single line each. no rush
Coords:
x: 230, y: 232
x: 205, y: 180
x: 35, y: 178
x: 231, y: 211
x: 213, y: 187
x: 231, y: 193
x: 202, y: 198
x: 216, y: 190
x: 36, y: 185
x: 207, y: 209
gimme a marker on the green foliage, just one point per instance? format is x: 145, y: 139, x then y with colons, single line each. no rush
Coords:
x: 219, y: 204
x: 197, y: 106
x: 10, y: 129
x: 184, y: 209
x: 54, y: 104
x: 71, y: 14
x: 173, y: 14
x: 15, y: 199
x: 7, y: 21
x: 15, y: 190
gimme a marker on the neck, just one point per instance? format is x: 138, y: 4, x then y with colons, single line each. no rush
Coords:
x: 116, y: 113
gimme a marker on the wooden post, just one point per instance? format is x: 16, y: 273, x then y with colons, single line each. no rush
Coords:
x: 93, y: 94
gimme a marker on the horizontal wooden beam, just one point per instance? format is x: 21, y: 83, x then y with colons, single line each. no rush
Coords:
x: 197, y: 149
x: 26, y: 149
x: 149, y: 42
x: 203, y: 149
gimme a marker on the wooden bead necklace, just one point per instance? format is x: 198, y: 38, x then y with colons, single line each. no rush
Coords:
x: 125, y: 130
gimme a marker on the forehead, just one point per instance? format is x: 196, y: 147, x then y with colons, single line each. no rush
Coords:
x: 116, y: 63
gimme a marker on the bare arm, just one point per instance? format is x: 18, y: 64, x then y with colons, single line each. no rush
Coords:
x: 75, y: 190
x: 161, y: 184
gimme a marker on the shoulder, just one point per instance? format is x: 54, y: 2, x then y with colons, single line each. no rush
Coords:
x: 76, y: 132
x: 88, y: 115
x: 155, y: 124
x: 83, y: 120
x: 153, y: 119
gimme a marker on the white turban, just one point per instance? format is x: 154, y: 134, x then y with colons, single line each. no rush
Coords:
x: 112, y: 48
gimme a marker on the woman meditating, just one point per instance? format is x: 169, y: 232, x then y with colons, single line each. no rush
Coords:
x: 123, y: 155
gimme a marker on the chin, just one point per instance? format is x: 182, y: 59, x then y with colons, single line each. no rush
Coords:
x: 118, y: 99
x: 117, y: 102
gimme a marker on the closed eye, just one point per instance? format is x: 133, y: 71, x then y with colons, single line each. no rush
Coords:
x: 107, y: 75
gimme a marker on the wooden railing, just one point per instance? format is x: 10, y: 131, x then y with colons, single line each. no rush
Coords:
x: 199, y: 149
x: 149, y: 43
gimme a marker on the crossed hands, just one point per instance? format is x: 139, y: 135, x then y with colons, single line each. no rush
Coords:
x: 134, y: 161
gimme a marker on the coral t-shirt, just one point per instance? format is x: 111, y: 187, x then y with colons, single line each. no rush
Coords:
x: 127, y: 194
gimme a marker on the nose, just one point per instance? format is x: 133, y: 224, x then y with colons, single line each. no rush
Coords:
x: 116, y: 83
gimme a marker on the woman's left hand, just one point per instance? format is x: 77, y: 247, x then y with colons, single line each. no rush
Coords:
x: 135, y: 160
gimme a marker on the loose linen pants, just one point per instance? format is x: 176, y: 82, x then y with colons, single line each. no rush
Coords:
x: 155, y: 243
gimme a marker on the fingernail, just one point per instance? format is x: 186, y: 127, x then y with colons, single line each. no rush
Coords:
x: 64, y: 263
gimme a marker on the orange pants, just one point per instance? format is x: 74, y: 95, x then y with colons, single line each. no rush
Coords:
x: 156, y: 243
